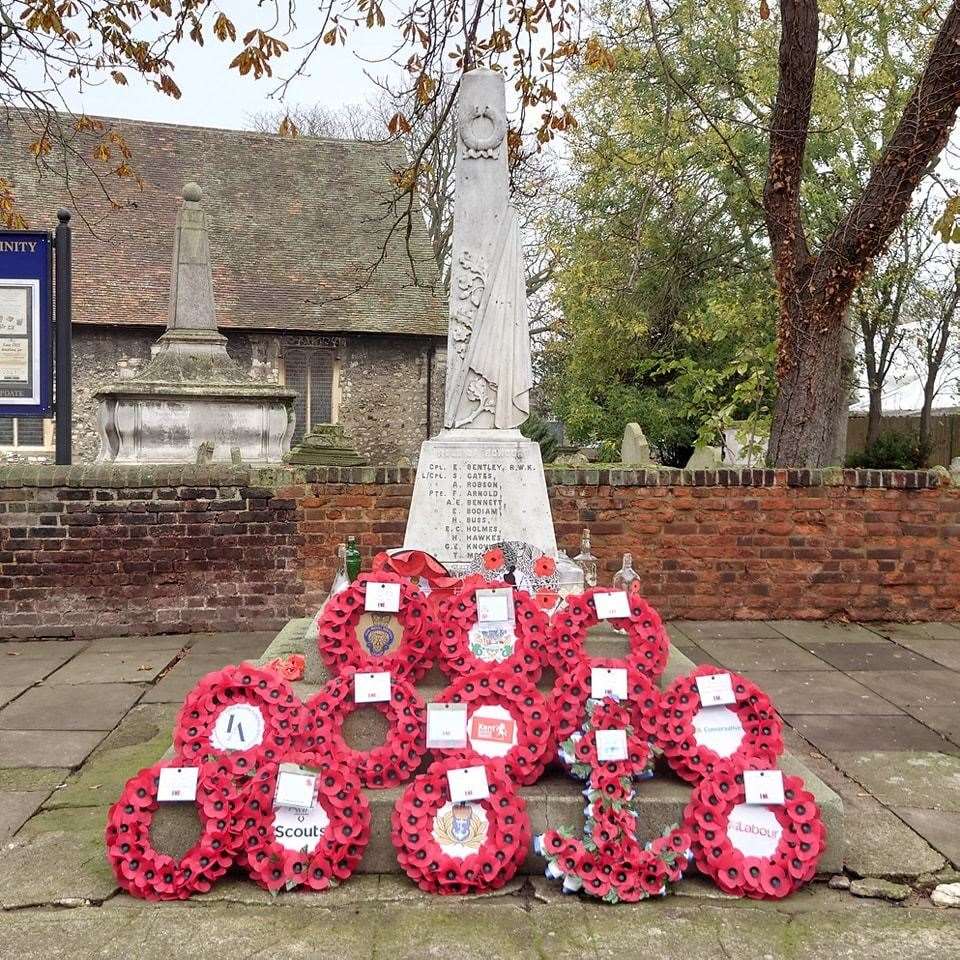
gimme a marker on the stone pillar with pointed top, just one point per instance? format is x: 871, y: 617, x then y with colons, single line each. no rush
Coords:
x: 191, y: 394
x: 480, y: 481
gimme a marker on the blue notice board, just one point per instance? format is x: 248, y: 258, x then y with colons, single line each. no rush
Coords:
x: 26, y: 324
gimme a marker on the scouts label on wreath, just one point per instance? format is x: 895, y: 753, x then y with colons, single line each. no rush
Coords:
x: 718, y: 728
x: 492, y: 642
x: 239, y: 727
x: 492, y: 731
x: 379, y: 634
x: 753, y: 830
x: 460, y: 829
x: 300, y: 829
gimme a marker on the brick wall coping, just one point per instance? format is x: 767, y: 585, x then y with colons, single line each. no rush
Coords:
x: 175, y: 475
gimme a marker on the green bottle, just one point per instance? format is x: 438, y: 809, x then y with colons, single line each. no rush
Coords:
x: 353, y: 559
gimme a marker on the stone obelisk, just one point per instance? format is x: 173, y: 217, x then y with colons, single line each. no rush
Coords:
x: 480, y: 481
x: 191, y: 396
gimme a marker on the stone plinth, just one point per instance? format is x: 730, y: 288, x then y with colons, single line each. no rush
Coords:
x: 326, y: 445
x: 475, y: 488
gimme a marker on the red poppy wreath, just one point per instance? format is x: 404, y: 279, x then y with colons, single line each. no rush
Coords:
x: 150, y: 874
x: 465, y: 847
x: 465, y: 645
x: 507, y: 719
x: 573, y: 688
x: 243, y: 711
x: 349, y: 635
x: 647, y: 636
x: 392, y: 763
x: 695, y: 739
x: 763, y: 851
x: 610, y: 861
x: 317, y: 848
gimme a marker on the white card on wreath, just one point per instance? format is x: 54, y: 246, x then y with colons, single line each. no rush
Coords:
x: 371, y: 687
x: 296, y: 787
x: 495, y: 606
x: 468, y: 783
x: 763, y: 786
x: 611, y: 745
x: 382, y: 597
x: 177, y: 783
x: 612, y: 606
x: 608, y: 682
x: 715, y: 689
x: 446, y: 725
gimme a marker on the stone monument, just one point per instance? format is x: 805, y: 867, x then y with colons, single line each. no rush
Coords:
x: 480, y: 481
x: 634, y: 449
x: 191, y: 394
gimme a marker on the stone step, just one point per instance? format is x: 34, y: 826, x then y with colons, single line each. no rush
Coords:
x: 556, y: 800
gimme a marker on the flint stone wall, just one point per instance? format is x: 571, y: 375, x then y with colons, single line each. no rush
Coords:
x: 135, y: 550
x: 382, y: 386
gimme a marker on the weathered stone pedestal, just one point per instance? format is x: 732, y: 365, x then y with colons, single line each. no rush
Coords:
x: 475, y: 488
x: 192, y: 395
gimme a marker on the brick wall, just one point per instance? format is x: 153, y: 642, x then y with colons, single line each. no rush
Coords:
x: 151, y: 550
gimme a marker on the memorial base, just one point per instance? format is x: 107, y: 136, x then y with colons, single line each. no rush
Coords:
x: 475, y: 488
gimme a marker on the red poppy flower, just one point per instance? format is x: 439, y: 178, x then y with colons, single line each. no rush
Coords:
x: 493, y: 559
x: 544, y: 566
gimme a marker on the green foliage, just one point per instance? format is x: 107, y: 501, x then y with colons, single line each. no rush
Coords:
x: 667, y: 301
x: 536, y: 428
x: 892, y: 450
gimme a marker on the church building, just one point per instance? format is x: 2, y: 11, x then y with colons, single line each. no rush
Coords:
x: 322, y: 281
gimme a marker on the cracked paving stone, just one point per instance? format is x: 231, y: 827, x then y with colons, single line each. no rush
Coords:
x: 906, y: 779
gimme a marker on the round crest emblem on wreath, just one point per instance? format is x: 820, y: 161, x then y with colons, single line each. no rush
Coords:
x: 460, y: 829
x: 378, y: 638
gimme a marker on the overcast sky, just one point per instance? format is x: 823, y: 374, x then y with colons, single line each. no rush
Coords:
x: 215, y: 96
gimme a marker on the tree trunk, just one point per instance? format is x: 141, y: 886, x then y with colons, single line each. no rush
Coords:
x: 812, y: 390
x: 848, y: 361
x: 875, y: 416
x: 926, y: 415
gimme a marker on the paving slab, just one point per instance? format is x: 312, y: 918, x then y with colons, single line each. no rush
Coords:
x: 914, y: 690
x: 139, y: 645
x: 57, y: 855
x: 934, y: 630
x: 898, y: 733
x: 906, y: 779
x: 14, y: 779
x: 772, y: 653
x: 940, y: 828
x: 183, y: 676
x: 944, y: 652
x: 240, y: 646
x: 856, y: 655
x: 44, y: 748
x: 820, y: 692
x: 140, y: 741
x: 875, y: 842
x: 16, y: 808
x: 90, y: 706
x: 697, y: 630
x: 26, y: 671
x: 946, y: 721
x: 8, y: 693
x: 44, y: 649
x: 690, y: 650
x: 823, y: 631
x: 121, y: 666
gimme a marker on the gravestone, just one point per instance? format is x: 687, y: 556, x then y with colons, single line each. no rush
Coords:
x: 480, y: 481
x: 634, y: 450
x: 704, y: 457
x: 191, y: 402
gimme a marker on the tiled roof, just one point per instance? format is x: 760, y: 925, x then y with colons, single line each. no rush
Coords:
x: 296, y: 226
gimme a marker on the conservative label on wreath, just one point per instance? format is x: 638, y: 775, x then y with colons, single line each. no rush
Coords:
x: 718, y: 728
x: 754, y: 831
x: 492, y: 731
x: 379, y: 634
x: 300, y: 830
x: 460, y: 829
x: 239, y: 727
x: 492, y: 642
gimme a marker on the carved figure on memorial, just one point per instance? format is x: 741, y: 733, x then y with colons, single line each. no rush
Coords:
x: 489, y: 376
